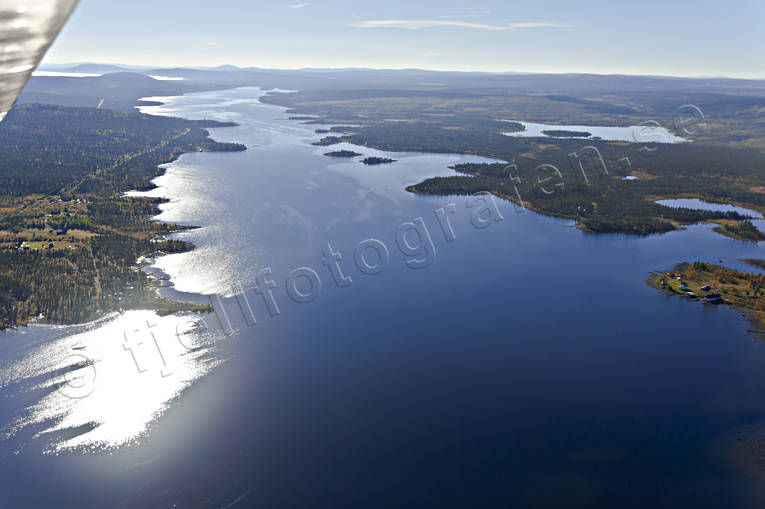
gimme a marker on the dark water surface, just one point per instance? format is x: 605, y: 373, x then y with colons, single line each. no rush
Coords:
x: 527, y: 365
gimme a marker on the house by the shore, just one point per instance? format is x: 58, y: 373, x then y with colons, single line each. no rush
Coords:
x: 714, y: 299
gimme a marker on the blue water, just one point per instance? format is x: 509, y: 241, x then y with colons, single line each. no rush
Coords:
x: 526, y: 363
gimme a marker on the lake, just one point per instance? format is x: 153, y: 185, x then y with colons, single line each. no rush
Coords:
x: 375, y: 348
x: 635, y: 134
x: 697, y: 204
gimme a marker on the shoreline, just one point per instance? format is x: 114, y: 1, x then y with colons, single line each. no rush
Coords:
x: 750, y: 315
x: 615, y: 208
x: 330, y: 139
x: 163, y: 306
x: 716, y: 201
x: 141, y: 293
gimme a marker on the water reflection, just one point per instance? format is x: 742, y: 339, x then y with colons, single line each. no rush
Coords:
x: 276, y: 194
x: 102, y: 387
x: 530, y: 360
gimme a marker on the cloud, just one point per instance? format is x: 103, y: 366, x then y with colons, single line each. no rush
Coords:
x: 416, y: 24
x: 299, y: 6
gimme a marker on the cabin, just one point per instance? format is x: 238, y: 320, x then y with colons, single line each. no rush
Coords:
x: 706, y: 288
x: 714, y: 299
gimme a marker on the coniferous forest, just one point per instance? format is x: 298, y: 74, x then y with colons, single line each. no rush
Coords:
x: 581, y: 179
x: 68, y: 240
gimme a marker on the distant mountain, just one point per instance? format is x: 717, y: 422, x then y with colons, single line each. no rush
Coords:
x: 89, y: 68
x: 96, y: 68
x: 467, y: 82
x: 119, y: 91
x: 506, y: 83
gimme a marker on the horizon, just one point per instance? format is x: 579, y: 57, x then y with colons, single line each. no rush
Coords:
x: 135, y: 67
x: 451, y: 36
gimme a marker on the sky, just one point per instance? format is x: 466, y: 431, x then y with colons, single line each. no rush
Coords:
x: 674, y: 38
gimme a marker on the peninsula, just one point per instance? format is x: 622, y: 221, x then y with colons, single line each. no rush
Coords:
x: 714, y: 284
x: 723, y: 164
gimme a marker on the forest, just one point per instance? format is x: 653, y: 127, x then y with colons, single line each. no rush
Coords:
x: 723, y: 160
x: 743, y: 230
x: 742, y: 290
x: 69, y: 241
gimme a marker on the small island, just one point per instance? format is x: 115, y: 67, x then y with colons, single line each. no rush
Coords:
x: 567, y: 134
x: 374, y: 161
x: 343, y: 153
x: 714, y: 284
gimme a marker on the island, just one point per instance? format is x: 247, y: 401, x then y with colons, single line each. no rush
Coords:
x: 718, y: 285
x: 567, y: 134
x: 69, y: 240
x: 374, y: 161
x: 343, y: 153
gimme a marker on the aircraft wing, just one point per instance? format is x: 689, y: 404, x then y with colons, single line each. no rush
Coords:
x: 27, y: 29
